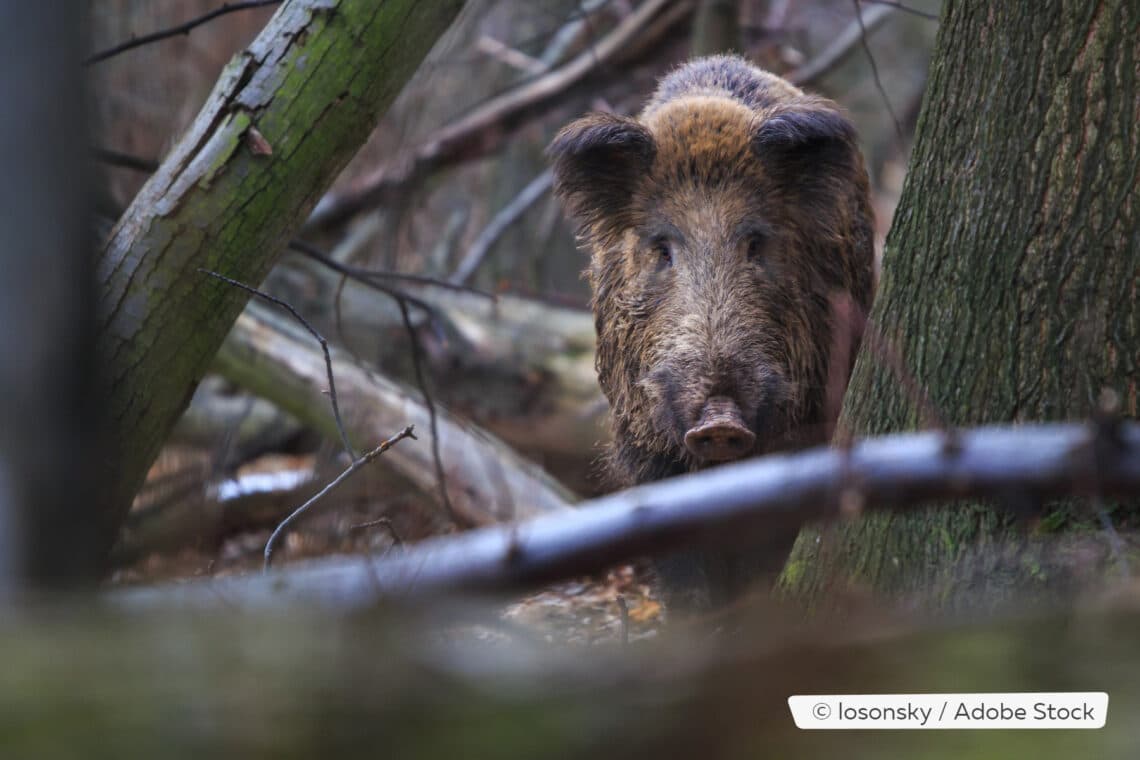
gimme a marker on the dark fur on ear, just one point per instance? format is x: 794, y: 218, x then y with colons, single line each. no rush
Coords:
x: 598, y: 161
x: 809, y: 146
x: 813, y: 123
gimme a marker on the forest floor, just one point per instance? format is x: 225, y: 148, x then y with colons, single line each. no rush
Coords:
x: 230, y: 520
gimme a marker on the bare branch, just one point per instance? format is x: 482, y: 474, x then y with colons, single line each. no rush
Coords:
x: 312, y: 331
x: 824, y: 63
x: 734, y: 504
x: 904, y: 8
x: 175, y: 31
x: 565, y: 36
x: 433, y: 415
x: 270, y: 545
x: 486, y: 127
x: 510, y: 56
x: 402, y: 301
x: 875, y: 71
x: 364, y: 275
x: 508, y: 215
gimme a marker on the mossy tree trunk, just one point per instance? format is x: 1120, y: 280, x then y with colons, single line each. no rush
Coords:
x: 1010, y: 285
x: 283, y: 120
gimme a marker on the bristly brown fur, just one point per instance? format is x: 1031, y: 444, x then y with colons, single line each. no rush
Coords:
x: 720, y: 222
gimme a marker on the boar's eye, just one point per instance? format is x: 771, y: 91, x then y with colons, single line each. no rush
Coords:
x: 662, y: 252
x: 757, y: 247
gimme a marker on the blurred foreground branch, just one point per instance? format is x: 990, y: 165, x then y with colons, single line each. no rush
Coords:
x: 424, y: 682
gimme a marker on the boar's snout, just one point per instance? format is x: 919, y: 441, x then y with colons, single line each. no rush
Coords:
x: 720, y: 434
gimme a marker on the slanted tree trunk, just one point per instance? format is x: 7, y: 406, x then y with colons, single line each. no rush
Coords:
x: 1010, y: 286
x: 284, y: 118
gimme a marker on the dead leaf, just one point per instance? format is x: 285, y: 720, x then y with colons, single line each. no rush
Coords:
x: 257, y: 143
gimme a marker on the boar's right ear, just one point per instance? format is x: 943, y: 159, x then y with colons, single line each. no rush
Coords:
x: 598, y: 161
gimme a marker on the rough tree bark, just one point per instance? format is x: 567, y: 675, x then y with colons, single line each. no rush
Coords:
x: 285, y: 116
x: 1010, y: 285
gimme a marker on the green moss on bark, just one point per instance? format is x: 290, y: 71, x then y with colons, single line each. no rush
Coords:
x: 1010, y: 284
x: 313, y: 84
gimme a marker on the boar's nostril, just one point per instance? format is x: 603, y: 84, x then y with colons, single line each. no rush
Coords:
x: 720, y: 434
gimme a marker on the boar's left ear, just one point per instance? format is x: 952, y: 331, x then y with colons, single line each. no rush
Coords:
x: 811, y: 132
x: 598, y: 161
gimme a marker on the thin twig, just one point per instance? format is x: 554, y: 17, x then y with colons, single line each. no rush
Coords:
x: 562, y: 39
x: 361, y: 273
x: 338, y: 312
x: 875, y: 71
x: 844, y: 42
x: 508, y: 215
x: 512, y: 57
x: 312, y: 331
x: 385, y: 522
x: 624, y: 608
x: 421, y: 381
x: 847, y: 323
x: 904, y: 8
x: 271, y: 544
x: 1106, y: 421
x: 227, y: 444
x: 403, y: 301
x: 364, y: 277
x: 175, y: 31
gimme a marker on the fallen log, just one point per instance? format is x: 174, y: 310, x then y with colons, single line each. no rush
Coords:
x: 486, y: 480
x: 518, y: 367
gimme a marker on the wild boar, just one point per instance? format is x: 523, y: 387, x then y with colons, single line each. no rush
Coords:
x: 722, y: 222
